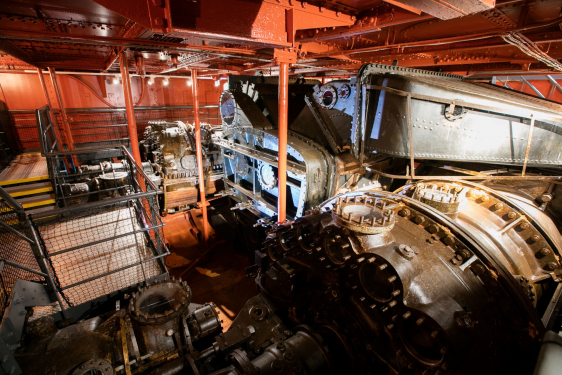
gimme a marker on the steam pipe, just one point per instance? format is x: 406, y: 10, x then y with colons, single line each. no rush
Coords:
x: 199, y: 150
x: 283, y: 128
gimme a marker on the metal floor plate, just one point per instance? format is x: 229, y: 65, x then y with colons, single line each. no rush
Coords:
x: 25, y: 168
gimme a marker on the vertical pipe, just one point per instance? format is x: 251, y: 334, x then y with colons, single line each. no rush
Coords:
x: 129, y: 106
x: 62, y: 109
x: 410, y: 135
x: 48, y: 100
x: 199, y: 150
x: 529, y: 139
x: 283, y: 128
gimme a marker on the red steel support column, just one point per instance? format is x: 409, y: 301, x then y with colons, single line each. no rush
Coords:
x: 199, y: 153
x: 283, y: 58
x: 62, y: 109
x: 129, y: 106
x: 283, y: 128
x: 48, y: 100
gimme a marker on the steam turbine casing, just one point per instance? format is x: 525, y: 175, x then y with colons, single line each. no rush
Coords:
x: 406, y: 288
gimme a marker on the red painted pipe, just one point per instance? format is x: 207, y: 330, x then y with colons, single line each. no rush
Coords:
x: 62, y: 108
x: 283, y: 111
x: 129, y: 106
x: 199, y: 150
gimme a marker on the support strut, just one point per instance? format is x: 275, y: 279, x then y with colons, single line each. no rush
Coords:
x: 199, y: 150
x: 62, y: 108
x: 283, y: 58
x: 129, y: 106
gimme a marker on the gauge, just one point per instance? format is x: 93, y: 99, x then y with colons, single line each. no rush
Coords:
x: 344, y: 91
x: 228, y: 108
x: 328, y: 97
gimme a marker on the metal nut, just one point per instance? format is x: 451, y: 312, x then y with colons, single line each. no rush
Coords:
x: 404, y: 212
x: 546, y: 251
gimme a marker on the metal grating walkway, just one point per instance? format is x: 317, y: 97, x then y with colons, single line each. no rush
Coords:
x: 25, y: 168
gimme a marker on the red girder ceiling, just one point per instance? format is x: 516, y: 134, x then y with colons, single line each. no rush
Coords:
x: 331, y: 37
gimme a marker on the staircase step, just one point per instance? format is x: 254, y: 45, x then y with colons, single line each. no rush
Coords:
x: 29, y: 189
x: 37, y: 201
x: 25, y: 168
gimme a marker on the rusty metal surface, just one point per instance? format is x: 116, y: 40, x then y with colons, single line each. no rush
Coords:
x: 425, y: 295
x: 333, y: 38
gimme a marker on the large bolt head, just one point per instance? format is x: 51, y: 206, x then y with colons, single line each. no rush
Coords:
x: 449, y: 240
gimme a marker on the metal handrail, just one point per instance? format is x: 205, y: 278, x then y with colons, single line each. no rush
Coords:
x: 116, y: 109
x: 11, y: 201
x: 139, y: 168
x: 17, y: 265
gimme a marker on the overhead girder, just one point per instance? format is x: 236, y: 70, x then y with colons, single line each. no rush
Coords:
x: 269, y: 23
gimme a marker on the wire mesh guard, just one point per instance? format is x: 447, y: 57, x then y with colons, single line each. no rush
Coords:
x: 104, y: 249
x: 94, y: 175
x: 16, y: 249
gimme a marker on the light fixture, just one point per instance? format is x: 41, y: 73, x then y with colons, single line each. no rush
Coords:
x: 217, y: 82
x: 151, y: 81
x: 116, y: 79
x: 166, y: 82
x: 189, y: 83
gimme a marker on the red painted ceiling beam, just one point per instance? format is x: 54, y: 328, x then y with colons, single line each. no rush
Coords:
x: 53, y: 37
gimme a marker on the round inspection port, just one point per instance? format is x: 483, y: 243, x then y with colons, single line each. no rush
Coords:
x: 272, y: 252
x: 337, y: 250
x: 304, y: 237
x: 161, y: 298
x: 423, y: 341
x: 378, y: 281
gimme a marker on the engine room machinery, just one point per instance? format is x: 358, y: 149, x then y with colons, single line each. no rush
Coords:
x: 319, y: 163
x: 170, y: 149
x: 440, y: 277
x: 387, y: 266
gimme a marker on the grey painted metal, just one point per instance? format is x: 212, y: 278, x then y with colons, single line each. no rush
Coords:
x: 42, y: 261
x: 116, y: 270
x: 24, y: 294
x: 11, y: 201
x: 139, y: 169
x: 17, y: 265
x: 92, y: 205
x: 322, y: 123
x: 528, y: 149
x: 104, y: 240
x: 550, y: 313
x: 550, y: 356
x: 556, y: 84
x: 459, y: 121
x: 532, y: 87
x: 15, y: 232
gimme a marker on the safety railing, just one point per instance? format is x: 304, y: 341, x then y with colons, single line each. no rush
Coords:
x: 107, y: 238
x: 104, y: 127
x: 21, y: 254
x: 48, y: 141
